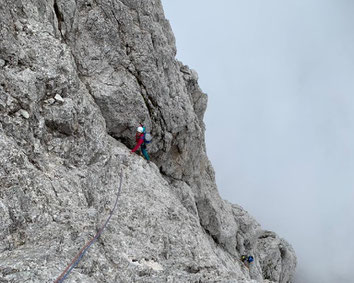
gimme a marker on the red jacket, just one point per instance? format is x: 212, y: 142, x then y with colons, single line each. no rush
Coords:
x: 139, y: 137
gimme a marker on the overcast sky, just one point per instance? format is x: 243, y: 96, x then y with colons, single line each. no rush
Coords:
x: 280, y: 81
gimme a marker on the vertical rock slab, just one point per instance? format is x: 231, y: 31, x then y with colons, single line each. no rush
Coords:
x: 76, y: 77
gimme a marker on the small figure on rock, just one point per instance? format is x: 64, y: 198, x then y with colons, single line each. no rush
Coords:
x: 142, y: 138
x: 247, y: 259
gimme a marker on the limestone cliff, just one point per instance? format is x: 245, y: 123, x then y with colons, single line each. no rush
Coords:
x: 76, y: 78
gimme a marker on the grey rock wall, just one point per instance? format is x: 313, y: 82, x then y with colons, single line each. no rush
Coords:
x: 76, y: 78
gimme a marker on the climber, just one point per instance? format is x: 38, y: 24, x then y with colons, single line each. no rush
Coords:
x: 247, y: 259
x: 141, y: 142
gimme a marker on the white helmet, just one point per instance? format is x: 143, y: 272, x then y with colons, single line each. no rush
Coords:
x: 140, y: 129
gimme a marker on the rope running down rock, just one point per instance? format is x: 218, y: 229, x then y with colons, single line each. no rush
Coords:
x: 82, y: 252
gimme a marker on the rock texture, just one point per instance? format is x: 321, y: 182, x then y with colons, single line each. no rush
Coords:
x: 76, y: 78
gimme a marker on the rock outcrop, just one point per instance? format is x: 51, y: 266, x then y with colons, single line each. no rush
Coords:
x: 76, y: 78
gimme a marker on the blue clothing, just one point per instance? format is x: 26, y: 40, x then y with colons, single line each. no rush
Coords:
x: 144, y: 151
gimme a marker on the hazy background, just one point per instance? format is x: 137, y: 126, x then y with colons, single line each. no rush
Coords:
x: 280, y: 80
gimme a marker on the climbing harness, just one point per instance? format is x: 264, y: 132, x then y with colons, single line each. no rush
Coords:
x: 82, y: 252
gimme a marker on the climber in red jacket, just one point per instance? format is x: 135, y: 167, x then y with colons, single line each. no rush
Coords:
x: 140, y: 142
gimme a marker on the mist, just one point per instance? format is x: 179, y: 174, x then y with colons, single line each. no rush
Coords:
x: 280, y: 82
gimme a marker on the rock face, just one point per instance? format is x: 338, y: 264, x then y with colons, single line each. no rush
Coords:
x: 76, y: 78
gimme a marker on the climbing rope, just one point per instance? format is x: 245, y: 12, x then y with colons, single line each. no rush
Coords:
x: 82, y: 252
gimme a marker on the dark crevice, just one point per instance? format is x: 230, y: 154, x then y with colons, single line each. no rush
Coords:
x: 61, y: 128
x: 151, y: 105
x: 167, y: 177
x: 54, y: 190
x: 90, y: 91
x: 60, y: 19
x: 89, y: 197
x: 148, y: 102
x: 34, y: 162
x: 119, y: 24
x: 215, y: 239
x: 193, y: 269
x: 267, y: 234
